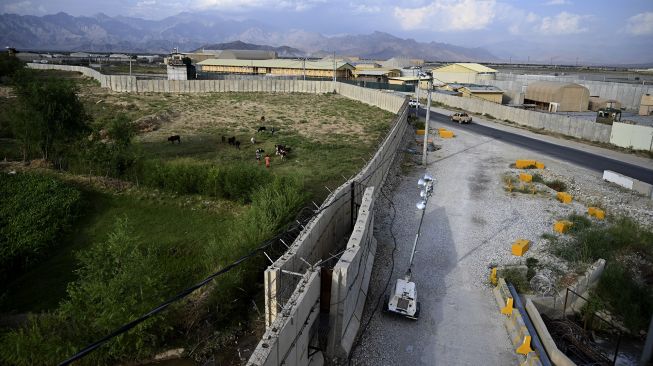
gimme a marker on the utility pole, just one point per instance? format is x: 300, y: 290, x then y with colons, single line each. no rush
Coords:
x: 304, y: 66
x: 419, y: 79
x: 130, y: 67
x: 426, y: 124
x: 334, y: 70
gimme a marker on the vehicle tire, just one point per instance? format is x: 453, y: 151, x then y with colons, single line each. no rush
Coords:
x: 417, y: 310
x: 386, y: 309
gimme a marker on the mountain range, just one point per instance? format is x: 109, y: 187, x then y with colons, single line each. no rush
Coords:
x: 190, y: 31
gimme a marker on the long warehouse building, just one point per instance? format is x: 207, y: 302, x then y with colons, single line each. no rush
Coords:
x: 277, y: 67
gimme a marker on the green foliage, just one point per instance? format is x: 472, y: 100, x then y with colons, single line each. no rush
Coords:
x: 48, y: 116
x: 625, y: 294
x: 9, y: 65
x: 557, y: 185
x: 236, y: 182
x: 517, y: 278
x: 118, y: 281
x: 113, y: 156
x: 34, y: 212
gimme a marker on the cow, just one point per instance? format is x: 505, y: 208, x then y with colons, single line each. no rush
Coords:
x: 253, y: 141
x: 174, y: 138
x: 232, y: 140
x: 260, y: 129
x: 237, y: 143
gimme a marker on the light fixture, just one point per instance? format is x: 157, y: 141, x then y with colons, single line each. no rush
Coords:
x: 421, y: 205
x: 422, y: 194
x: 421, y: 182
x: 428, y: 177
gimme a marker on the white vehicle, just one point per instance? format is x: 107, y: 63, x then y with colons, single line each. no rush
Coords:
x: 461, y: 118
x: 413, y: 103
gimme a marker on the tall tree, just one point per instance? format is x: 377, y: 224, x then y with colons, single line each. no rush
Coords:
x: 49, y: 117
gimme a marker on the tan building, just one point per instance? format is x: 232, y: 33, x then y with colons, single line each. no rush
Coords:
x: 487, y: 92
x: 557, y: 97
x: 462, y: 72
x: 646, y: 105
x: 277, y: 67
x: 597, y: 103
x: 376, y: 75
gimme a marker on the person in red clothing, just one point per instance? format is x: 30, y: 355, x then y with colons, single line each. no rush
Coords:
x: 267, y: 160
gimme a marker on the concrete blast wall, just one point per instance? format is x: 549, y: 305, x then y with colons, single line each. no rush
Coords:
x: 632, y: 136
x: 286, y: 341
x: 562, y: 124
x: 330, y: 227
x: 628, y: 94
x: 350, y: 281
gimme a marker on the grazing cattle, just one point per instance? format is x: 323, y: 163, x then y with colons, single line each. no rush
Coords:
x: 174, y: 138
x: 258, y: 154
x: 223, y: 139
x: 261, y: 128
x: 283, y: 154
x: 252, y: 140
x: 232, y: 140
x: 237, y: 145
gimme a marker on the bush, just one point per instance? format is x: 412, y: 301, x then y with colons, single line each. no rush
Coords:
x: 119, y: 280
x: 557, y: 185
x: 35, y: 210
x: 236, y: 182
x: 627, y: 297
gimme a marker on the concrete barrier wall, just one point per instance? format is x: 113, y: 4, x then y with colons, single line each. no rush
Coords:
x: 632, y: 136
x: 327, y: 231
x: 628, y: 94
x: 286, y: 341
x: 350, y: 281
x: 566, y: 125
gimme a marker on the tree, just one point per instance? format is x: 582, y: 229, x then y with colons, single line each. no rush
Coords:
x: 9, y: 64
x: 48, y: 115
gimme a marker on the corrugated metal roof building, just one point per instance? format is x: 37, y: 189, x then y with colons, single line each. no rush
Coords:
x: 277, y: 67
x: 568, y: 97
x: 462, y: 72
x: 376, y: 75
x: 247, y: 55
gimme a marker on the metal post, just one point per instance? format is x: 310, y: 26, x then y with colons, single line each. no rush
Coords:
x: 352, y: 187
x: 130, y: 67
x: 426, y: 125
x: 419, y: 72
x: 647, y: 353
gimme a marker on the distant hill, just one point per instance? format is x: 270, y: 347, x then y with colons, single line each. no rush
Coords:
x: 190, y: 31
x: 282, y: 51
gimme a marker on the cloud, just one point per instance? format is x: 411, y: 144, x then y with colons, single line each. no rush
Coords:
x: 448, y: 15
x: 558, y: 2
x: 563, y: 23
x: 23, y: 7
x: 640, y: 24
x: 245, y: 5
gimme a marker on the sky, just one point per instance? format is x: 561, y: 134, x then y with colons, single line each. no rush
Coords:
x: 508, y: 28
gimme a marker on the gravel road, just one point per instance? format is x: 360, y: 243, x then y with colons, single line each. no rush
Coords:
x: 470, y: 222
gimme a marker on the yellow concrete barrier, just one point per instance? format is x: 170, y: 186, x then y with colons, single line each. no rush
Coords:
x: 524, y: 164
x: 520, y: 247
x: 564, y: 197
x: 493, y: 276
x: 562, y: 226
x: 420, y: 132
x: 507, y: 310
x: 446, y: 134
x: 525, y: 347
x: 539, y: 165
x: 525, y: 177
x: 596, y: 212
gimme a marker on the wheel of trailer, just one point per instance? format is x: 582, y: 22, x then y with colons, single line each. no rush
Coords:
x: 417, y: 310
x: 386, y: 304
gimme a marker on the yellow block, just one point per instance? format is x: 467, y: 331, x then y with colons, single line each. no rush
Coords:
x: 441, y: 129
x: 420, y: 132
x: 539, y: 165
x: 525, y: 347
x: 562, y: 226
x: 446, y: 134
x: 596, y: 212
x: 520, y: 247
x: 493, y: 276
x: 507, y: 310
x: 523, y: 164
x: 564, y: 197
x: 524, y: 177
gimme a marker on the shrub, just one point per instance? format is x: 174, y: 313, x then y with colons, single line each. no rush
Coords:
x: 35, y: 210
x: 557, y: 185
x: 119, y: 280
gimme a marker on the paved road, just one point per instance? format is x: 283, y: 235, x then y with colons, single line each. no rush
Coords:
x: 581, y: 158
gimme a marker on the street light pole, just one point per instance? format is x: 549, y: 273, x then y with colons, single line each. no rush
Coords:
x: 426, y: 124
x: 419, y: 73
